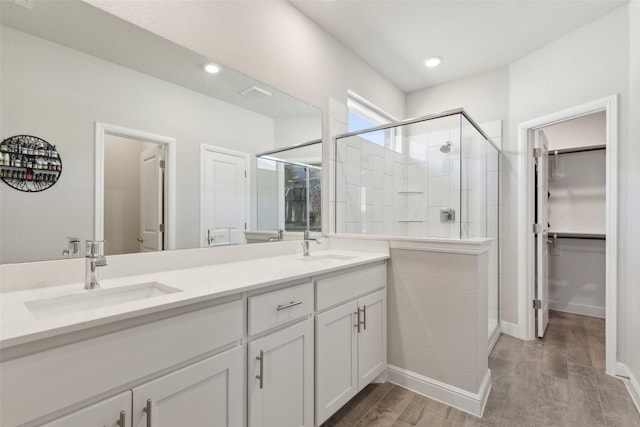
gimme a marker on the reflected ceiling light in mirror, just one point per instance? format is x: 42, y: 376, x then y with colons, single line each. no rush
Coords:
x: 433, y: 61
x: 212, y: 68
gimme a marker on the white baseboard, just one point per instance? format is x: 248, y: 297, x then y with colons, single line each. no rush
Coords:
x: 583, y: 310
x: 445, y: 393
x: 631, y: 382
x: 494, y: 338
x: 621, y: 370
x: 510, y: 329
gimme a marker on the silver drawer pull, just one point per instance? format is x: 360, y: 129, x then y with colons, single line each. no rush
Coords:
x: 122, y: 422
x: 364, y: 317
x: 291, y: 304
x: 147, y: 409
x: 261, y: 376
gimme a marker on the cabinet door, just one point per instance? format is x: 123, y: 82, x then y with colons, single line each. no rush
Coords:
x: 106, y: 413
x: 280, y: 378
x: 372, y: 339
x: 207, y: 393
x: 337, y: 357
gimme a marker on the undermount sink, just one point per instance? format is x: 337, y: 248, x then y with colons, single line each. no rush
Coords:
x: 98, y: 298
x: 326, y: 257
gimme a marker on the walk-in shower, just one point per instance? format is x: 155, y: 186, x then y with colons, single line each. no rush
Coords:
x: 431, y: 177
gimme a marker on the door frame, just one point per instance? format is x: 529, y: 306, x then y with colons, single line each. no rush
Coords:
x: 526, y: 192
x: 204, y: 148
x: 102, y: 129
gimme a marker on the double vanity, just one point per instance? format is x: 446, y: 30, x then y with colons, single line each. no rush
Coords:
x: 275, y: 341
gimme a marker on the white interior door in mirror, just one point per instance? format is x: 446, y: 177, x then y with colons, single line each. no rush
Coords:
x: 151, y: 199
x: 542, y: 234
x: 224, y: 196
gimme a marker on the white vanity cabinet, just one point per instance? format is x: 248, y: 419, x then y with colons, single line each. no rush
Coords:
x: 175, y: 353
x: 351, y: 348
x: 206, y: 393
x: 112, y: 412
x: 281, y: 364
x: 285, y: 354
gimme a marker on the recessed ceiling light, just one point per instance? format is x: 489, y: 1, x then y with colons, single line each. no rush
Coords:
x: 434, y: 61
x: 212, y: 68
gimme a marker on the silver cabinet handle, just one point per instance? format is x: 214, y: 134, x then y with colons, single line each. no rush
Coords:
x: 261, y: 376
x: 358, y: 323
x: 122, y: 421
x: 364, y: 316
x: 147, y: 409
x: 291, y: 304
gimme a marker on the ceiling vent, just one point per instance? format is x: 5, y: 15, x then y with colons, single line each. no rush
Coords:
x: 255, y: 93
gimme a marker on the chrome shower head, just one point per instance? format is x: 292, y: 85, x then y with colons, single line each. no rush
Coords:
x: 446, y: 147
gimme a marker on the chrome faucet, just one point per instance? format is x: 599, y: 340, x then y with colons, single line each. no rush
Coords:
x: 277, y: 238
x: 95, y: 258
x: 305, y: 243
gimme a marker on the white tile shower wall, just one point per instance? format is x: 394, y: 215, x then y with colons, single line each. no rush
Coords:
x: 367, y: 184
x: 379, y: 191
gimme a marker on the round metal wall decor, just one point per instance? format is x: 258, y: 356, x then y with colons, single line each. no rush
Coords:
x: 29, y: 163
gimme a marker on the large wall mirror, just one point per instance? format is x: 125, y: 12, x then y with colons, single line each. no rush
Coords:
x: 158, y: 154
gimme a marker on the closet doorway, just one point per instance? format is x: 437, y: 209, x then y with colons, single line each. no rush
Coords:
x: 570, y: 214
x: 569, y: 198
x: 134, y: 186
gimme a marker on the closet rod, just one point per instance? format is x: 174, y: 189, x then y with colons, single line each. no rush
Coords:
x: 578, y: 236
x: 578, y: 150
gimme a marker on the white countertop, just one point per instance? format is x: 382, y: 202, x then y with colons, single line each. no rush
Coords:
x: 19, y: 326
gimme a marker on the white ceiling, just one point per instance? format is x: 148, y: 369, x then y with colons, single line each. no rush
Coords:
x: 395, y: 36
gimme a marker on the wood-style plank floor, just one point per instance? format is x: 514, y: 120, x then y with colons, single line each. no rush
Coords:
x: 558, y: 381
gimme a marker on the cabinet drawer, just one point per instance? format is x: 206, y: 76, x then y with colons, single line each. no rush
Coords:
x: 344, y: 287
x: 281, y: 306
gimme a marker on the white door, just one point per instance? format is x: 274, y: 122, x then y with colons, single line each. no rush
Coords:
x: 106, y: 413
x: 542, y: 236
x: 337, y: 359
x: 151, y: 197
x: 372, y: 355
x: 280, y: 378
x: 207, y: 393
x: 224, y: 197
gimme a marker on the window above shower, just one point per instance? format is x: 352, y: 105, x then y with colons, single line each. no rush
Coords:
x: 364, y: 115
x: 433, y: 177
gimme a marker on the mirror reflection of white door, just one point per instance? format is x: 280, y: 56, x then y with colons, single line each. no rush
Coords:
x: 224, y: 196
x: 151, y: 199
x: 542, y: 233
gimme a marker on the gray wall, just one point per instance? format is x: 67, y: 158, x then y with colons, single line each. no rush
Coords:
x: 437, y: 316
